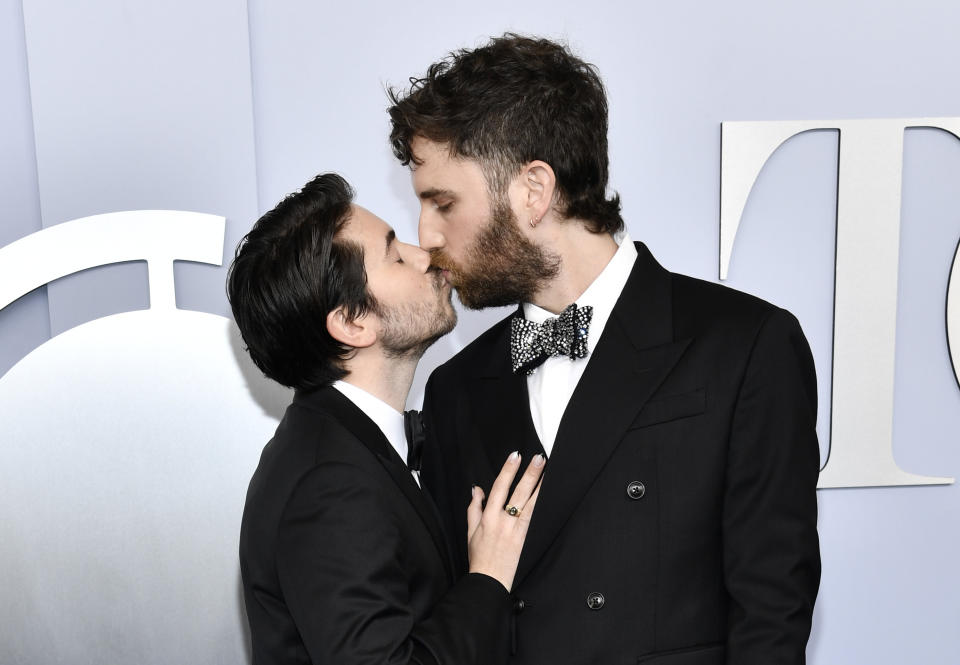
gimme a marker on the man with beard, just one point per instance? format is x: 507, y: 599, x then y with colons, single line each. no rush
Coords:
x: 678, y: 523
x: 342, y: 555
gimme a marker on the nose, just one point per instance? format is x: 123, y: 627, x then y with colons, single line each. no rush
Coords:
x: 418, y: 258
x: 428, y: 229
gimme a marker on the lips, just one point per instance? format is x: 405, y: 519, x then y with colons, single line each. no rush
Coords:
x: 440, y: 279
x: 442, y: 272
x: 440, y: 262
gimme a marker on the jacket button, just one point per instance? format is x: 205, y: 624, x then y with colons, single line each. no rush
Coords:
x: 636, y: 490
x: 595, y: 600
x: 518, y: 605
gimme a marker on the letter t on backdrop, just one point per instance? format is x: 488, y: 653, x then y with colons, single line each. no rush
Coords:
x: 865, y: 295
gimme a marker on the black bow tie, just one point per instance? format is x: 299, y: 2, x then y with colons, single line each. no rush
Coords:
x: 413, y: 427
x: 565, y: 335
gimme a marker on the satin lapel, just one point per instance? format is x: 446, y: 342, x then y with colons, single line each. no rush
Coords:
x: 632, y: 358
x: 500, y: 408
x: 423, y: 505
x: 366, y: 431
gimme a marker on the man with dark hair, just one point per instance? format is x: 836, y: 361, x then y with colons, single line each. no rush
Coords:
x: 342, y: 555
x: 678, y: 523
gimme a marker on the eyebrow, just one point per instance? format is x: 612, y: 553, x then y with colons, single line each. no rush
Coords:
x: 434, y: 193
x: 389, y: 238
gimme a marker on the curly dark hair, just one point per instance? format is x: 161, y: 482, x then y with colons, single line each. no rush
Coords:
x: 512, y: 101
x: 288, y: 273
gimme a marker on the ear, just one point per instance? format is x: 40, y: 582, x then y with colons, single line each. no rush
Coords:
x: 358, y: 333
x: 538, y: 185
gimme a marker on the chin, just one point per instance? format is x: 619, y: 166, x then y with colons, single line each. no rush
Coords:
x: 487, y: 301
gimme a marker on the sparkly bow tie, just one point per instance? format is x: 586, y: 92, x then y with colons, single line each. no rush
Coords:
x: 413, y: 428
x: 565, y: 335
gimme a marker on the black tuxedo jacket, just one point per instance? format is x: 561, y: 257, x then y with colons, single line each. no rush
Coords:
x: 677, y: 521
x: 343, y: 558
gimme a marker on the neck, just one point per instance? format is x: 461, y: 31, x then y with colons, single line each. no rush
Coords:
x: 388, y: 379
x: 583, y: 256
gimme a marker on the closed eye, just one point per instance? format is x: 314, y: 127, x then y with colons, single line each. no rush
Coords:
x: 391, y: 245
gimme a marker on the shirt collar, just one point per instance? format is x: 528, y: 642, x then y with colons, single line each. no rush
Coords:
x: 388, y: 419
x: 603, y: 292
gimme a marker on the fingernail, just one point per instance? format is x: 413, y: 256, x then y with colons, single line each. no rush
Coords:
x: 514, y: 456
x: 473, y: 490
x: 538, y: 460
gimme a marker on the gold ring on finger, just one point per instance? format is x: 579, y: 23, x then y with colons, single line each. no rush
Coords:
x: 512, y: 511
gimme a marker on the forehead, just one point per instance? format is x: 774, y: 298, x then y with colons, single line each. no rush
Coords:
x: 365, y: 229
x: 436, y: 169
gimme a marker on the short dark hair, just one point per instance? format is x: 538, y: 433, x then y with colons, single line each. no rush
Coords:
x: 288, y: 273
x: 507, y: 103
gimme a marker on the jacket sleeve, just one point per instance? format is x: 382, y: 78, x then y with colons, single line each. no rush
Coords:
x: 771, y: 548
x: 339, y: 561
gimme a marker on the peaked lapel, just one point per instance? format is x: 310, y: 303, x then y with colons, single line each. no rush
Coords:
x: 635, y: 353
x: 366, y: 431
x: 502, y: 417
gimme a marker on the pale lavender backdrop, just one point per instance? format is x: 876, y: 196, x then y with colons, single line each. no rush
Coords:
x: 225, y: 106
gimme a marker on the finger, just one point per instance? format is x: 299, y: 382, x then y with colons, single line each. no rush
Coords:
x: 498, y: 493
x: 527, y: 511
x: 474, y: 512
x: 528, y: 482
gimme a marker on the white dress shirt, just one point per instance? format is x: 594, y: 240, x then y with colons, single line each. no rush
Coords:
x: 388, y: 419
x: 552, y: 384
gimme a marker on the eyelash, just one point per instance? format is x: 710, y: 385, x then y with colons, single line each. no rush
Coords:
x: 443, y: 208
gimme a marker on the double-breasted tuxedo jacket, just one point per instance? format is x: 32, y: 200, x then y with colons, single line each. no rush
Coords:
x: 342, y: 555
x: 676, y: 522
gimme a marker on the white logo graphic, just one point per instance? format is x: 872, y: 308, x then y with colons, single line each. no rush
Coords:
x: 126, y: 448
x: 865, y: 307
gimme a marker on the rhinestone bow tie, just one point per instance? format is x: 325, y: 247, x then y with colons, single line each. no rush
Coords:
x: 565, y: 335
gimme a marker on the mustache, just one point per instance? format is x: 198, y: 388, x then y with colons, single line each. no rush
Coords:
x: 440, y: 261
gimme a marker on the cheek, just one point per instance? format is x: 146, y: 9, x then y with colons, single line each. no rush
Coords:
x: 408, y: 287
x: 462, y: 231
x: 388, y: 288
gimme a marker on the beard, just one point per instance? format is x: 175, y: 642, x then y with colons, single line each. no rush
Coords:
x: 502, y: 266
x: 409, y: 329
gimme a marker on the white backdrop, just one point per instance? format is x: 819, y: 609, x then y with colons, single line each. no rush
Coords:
x: 222, y: 107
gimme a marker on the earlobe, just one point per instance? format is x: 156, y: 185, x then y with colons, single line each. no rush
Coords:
x: 539, y: 186
x: 357, y: 332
